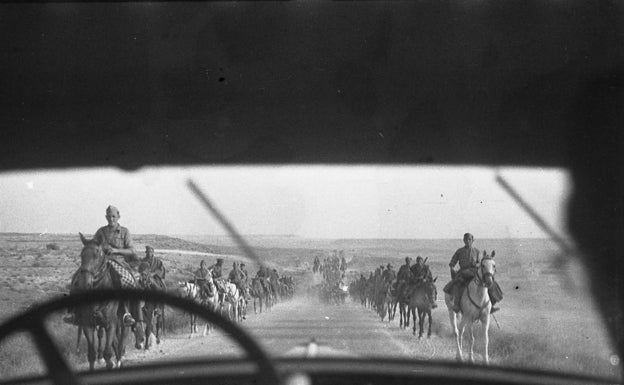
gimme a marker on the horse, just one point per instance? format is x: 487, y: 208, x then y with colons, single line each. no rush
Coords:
x: 232, y: 299
x: 259, y: 294
x: 95, y: 273
x: 475, y: 306
x: 193, y: 291
x: 386, y: 302
x: 153, y: 311
x: 402, y: 300
x: 419, y: 299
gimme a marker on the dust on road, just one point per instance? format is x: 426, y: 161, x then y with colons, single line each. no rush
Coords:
x: 346, y: 329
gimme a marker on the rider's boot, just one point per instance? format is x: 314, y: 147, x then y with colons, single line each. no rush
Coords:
x: 127, y: 317
x: 494, y: 309
x: 70, y: 319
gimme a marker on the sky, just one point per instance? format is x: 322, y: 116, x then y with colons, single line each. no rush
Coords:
x: 308, y: 201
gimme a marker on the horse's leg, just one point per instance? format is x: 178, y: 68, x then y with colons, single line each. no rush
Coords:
x: 429, y: 317
x: 160, y: 323
x: 120, y: 339
x: 421, y: 322
x: 472, y: 339
x: 89, y: 334
x: 139, y: 336
x: 394, y: 307
x: 108, y: 349
x: 460, y: 335
x: 407, y: 317
x: 148, y: 317
x: 452, y: 315
x: 100, y: 335
x: 78, y: 339
x: 485, y: 327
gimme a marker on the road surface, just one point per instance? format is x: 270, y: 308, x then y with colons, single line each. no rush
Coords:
x: 346, y: 329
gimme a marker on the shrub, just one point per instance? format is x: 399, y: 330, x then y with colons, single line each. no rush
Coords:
x: 52, y: 246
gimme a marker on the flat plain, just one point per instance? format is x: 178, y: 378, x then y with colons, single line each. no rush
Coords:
x: 547, y: 319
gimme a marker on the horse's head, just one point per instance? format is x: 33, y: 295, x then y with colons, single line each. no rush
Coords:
x: 91, y: 256
x: 487, y: 268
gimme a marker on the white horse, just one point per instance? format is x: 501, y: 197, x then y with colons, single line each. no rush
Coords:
x: 233, y: 298
x: 475, y: 306
x: 192, y: 290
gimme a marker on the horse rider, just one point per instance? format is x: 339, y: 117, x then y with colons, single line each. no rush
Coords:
x: 263, y: 273
x: 201, y: 277
x: 236, y: 276
x: 116, y: 243
x: 404, y: 275
x: 155, y: 264
x: 389, y: 275
x: 467, y: 257
x: 245, y: 280
x: 217, y: 269
x: 421, y: 273
x: 274, y: 280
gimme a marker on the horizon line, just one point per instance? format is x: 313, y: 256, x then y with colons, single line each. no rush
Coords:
x: 294, y: 236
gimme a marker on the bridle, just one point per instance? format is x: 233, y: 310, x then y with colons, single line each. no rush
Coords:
x: 479, y: 280
x: 480, y: 276
x: 94, y: 274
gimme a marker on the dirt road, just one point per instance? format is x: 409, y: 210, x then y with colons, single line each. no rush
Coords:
x: 346, y: 329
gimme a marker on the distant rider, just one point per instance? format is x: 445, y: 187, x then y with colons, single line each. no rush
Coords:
x: 421, y: 274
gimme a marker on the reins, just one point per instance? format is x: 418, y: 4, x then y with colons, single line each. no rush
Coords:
x: 480, y: 283
x: 97, y: 275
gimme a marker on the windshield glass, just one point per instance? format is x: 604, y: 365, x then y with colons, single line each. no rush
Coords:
x: 333, y: 243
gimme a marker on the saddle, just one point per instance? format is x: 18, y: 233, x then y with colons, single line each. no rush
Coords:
x: 124, y: 274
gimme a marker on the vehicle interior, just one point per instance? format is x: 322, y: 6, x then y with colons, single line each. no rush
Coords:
x: 397, y: 84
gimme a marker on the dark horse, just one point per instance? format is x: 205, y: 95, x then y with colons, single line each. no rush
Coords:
x: 259, y: 292
x: 419, y: 298
x: 152, y: 311
x: 95, y: 273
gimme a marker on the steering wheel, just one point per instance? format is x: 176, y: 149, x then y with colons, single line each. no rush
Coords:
x: 59, y: 371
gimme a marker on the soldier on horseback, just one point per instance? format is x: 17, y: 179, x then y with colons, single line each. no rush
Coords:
x: 116, y: 242
x: 201, y: 278
x: 389, y: 275
x: 467, y: 258
x: 154, y: 264
x: 422, y: 274
x: 217, y: 269
x: 263, y: 273
x: 236, y: 276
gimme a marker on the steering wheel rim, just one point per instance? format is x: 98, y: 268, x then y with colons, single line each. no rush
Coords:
x: 32, y: 321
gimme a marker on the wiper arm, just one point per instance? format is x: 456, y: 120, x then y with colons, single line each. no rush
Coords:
x: 535, y: 216
x: 238, y: 239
